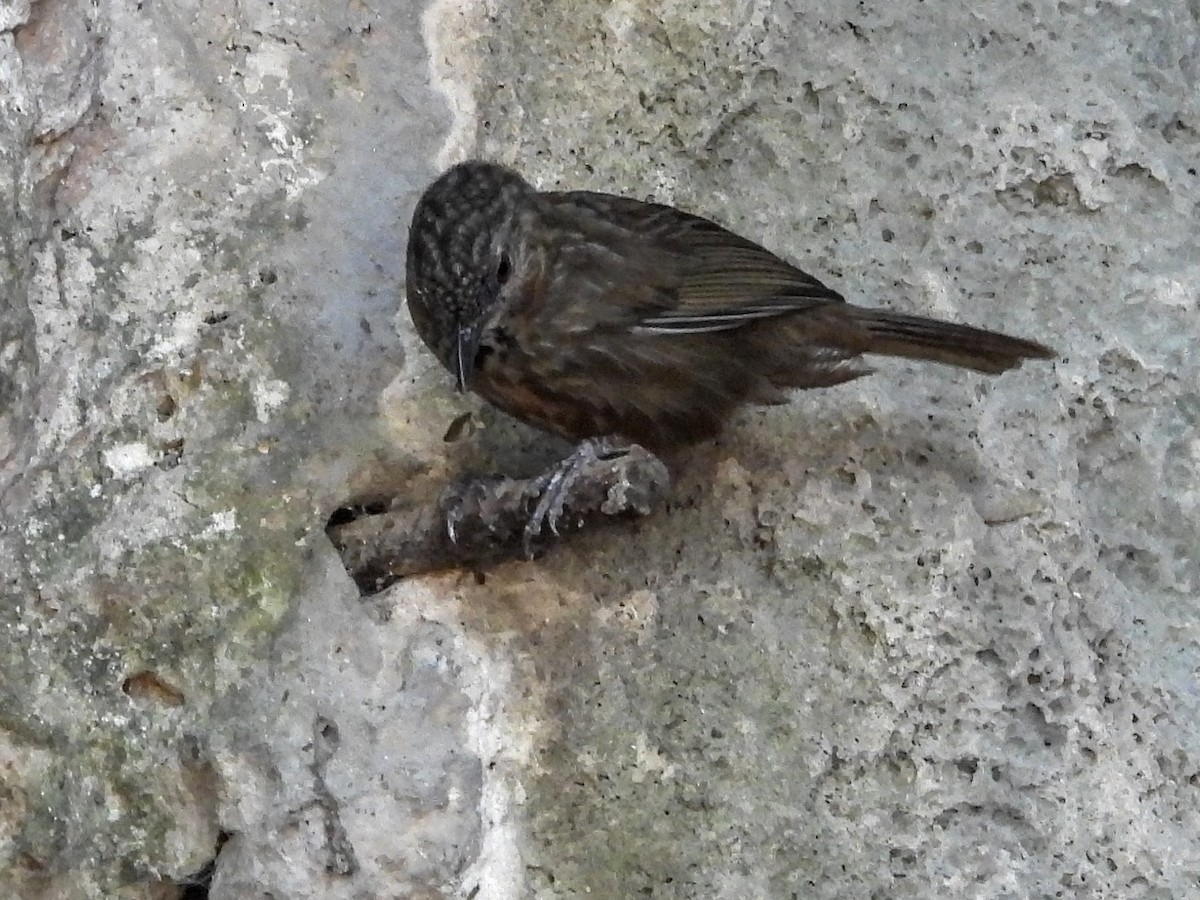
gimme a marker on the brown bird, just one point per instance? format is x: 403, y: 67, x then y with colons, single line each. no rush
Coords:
x: 596, y: 316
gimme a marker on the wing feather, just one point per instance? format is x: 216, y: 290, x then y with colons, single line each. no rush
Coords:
x: 703, y: 277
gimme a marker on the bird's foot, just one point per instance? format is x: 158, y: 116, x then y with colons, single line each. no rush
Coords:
x: 554, y: 488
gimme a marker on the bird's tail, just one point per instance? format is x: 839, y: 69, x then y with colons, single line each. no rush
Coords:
x: 863, y: 330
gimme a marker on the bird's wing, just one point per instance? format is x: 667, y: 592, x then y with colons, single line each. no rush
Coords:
x: 706, y: 277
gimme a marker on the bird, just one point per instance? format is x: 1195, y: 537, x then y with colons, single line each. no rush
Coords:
x: 603, y: 318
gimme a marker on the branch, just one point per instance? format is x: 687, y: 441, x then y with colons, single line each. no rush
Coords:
x: 485, y: 521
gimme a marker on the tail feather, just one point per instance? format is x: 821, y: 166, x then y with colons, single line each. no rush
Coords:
x: 915, y: 337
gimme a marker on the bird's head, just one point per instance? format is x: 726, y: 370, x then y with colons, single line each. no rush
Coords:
x: 463, y: 250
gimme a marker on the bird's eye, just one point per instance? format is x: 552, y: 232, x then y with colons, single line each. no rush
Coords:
x: 503, y: 269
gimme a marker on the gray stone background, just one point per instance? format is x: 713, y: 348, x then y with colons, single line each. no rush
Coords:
x: 923, y: 635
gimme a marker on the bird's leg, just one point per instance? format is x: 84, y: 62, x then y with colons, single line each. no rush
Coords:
x: 554, y: 488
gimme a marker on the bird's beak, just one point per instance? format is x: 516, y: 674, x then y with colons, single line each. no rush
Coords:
x: 466, y: 346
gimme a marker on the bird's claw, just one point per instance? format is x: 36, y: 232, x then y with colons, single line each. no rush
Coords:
x: 554, y: 487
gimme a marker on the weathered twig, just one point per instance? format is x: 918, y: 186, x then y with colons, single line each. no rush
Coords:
x: 485, y: 521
